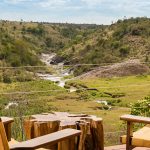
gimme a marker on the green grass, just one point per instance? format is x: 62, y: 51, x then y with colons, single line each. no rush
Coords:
x: 133, y: 88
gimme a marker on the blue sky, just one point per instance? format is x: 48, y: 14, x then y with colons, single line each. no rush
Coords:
x: 73, y: 11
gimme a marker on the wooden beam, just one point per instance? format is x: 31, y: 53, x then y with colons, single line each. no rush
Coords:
x: 136, y: 119
x: 49, y: 139
x: 3, y: 137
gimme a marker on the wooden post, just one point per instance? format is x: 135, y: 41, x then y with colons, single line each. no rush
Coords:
x: 97, y: 133
x: 83, y: 127
x: 129, y: 136
x: 8, y: 131
x: 43, y: 128
x: 29, y: 128
x: 70, y: 143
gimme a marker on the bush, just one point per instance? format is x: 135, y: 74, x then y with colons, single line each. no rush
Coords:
x: 39, y: 30
x: 124, y: 51
x: 6, y: 78
x: 141, y: 108
x: 23, y: 77
x: 115, y: 44
x: 137, y: 30
x: 83, y: 95
x: 48, y: 42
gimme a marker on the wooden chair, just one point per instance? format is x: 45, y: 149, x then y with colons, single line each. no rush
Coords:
x: 140, y: 138
x: 39, y: 142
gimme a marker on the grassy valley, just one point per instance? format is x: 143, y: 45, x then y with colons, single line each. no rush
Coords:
x: 22, y: 43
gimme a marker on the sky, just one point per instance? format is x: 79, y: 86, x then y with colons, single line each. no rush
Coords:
x: 73, y: 11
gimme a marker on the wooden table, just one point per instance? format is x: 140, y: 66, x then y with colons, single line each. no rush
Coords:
x: 92, y: 137
x: 7, y: 124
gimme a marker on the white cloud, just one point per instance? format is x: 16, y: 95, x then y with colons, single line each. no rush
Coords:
x: 53, y: 3
x: 16, y: 1
x: 92, y: 2
x: 79, y: 11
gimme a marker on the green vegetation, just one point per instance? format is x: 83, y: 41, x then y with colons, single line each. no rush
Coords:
x: 124, y: 90
x: 22, y: 43
x: 141, y: 108
x: 118, y: 92
x: 109, y: 44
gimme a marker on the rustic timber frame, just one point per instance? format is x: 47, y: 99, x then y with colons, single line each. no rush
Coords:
x: 130, y: 119
x: 50, y: 139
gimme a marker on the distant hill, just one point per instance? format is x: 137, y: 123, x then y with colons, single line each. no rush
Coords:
x: 126, y: 39
x: 22, y: 42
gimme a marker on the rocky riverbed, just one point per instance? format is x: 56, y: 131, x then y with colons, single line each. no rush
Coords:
x: 59, y: 76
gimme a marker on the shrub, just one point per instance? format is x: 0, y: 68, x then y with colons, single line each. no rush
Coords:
x: 6, y: 78
x: 39, y: 30
x: 141, y: 108
x: 115, y: 44
x: 24, y: 77
x: 83, y: 95
x: 124, y: 51
x: 48, y: 42
x: 137, y: 30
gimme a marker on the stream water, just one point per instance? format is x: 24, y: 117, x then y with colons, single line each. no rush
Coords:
x: 60, y: 74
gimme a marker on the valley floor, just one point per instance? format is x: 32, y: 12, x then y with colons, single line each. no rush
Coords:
x: 119, y: 92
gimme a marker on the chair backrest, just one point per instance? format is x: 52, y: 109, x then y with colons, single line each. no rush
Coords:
x: 3, y: 138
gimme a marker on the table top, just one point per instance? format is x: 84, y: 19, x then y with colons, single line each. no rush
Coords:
x: 7, y: 120
x: 63, y: 117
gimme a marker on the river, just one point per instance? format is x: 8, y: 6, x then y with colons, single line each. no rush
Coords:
x: 60, y: 74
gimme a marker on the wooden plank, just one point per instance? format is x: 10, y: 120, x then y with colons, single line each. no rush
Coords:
x: 77, y: 115
x: 3, y: 137
x: 7, y: 120
x: 138, y: 119
x: 123, y: 147
x: 49, y: 139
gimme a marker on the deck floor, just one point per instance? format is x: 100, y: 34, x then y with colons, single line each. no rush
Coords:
x: 123, y: 147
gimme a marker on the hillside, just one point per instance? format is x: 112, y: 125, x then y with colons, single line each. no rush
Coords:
x: 126, y: 39
x: 128, y: 68
x: 21, y: 43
